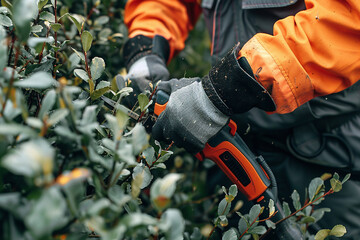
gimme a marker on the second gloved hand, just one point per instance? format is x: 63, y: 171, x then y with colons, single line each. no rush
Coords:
x: 146, y: 65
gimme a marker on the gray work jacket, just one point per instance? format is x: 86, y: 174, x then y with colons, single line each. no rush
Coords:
x: 325, y: 130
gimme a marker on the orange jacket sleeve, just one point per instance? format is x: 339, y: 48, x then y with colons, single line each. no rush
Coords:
x: 314, y: 53
x: 172, y: 19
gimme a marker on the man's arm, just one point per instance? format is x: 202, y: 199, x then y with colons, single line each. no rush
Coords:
x: 314, y: 53
x: 170, y: 19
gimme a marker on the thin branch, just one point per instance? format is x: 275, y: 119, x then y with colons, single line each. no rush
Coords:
x: 213, y: 229
x: 250, y: 225
x: 305, y: 206
x: 43, y: 46
x: 11, y: 83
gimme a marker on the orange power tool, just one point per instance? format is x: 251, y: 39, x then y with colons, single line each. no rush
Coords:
x: 250, y: 173
x: 228, y: 150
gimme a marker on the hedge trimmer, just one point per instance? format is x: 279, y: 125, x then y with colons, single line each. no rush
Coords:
x: 250, y: 173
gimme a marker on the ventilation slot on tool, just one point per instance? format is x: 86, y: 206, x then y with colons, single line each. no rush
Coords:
x: 235, y: 167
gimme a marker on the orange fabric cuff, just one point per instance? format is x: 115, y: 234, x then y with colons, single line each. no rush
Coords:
x: 274, y: 72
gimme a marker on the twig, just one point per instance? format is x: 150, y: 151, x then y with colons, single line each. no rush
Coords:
x: 215, y: 225
x: 55, y: 37
x: 11, y: 83
x: 159, y: 155
x: 302, y: 208
x: 305, y: 206
x: 43, y: 46
x: 250, y: 225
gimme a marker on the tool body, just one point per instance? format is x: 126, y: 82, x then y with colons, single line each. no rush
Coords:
x: 250, y: 173
x: 228, y: 150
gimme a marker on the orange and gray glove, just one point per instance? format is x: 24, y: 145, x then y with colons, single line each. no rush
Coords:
x: 145, y: 60
x: 198, y: 108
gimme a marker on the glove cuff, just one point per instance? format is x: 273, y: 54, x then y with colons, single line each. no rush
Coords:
x: 232, y: 87
x: 140, y: 46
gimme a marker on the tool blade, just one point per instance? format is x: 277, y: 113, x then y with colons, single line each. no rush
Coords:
x: 116, y: 105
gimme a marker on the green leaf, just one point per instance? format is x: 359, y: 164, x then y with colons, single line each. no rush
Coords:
x: 223, y: 221
x: 102, y: 84
x: 6, y: 3
x: 91, y: 86
x: 57, y: 116
x: 143, y: 101
x: 30, y: 159
x: 97, y: 68
x: 122, y: 119
x: 168, y: 184
x: 164, y: 187
x: 4, y: 10
x: 319, y: 213
x: 146, y: 175
x: 308, y: 219
x: 10, y: 201
x: 34, y: 122
x: 173, y: 223
x: 149, y: 155
x: 296, y: 200
x: 233, y: 190
x: 42, y: 3
x: 346, y: 178
x: 101, y: 20
x: 270, y: 224
x: 80, y: 56
x: 230, y: 235
x: 5, y: 21
x: 3, y: 50
x: 16, y: 129
x: 34, y: 41
x: 136, y: 183
x: 243, y: 225
x: 335, y: 185
x: 47, y: 16
x: 36, y: 28
x: 254, y: 212
x: 271, y: 207
x: 257, y: 230
x: 315, y: 187
x: 81, y: 74
x: 67, y: 133
x: 76, y: 19
x: 224, y: 207
x: 55, y: 26
x: 286, y: 208
x: 139, y: 137
x: 47, y: 214
x: 117, y: 123
x: 86, y: 40
x: 23, y: 12
x: 99, y: 92
x: 223, y: 188
x: 164, y: 156
x: 338, y: 231
x: 322, y: 234
x: 89, y: 115
x: 336, y: 176
x: 38, y: 80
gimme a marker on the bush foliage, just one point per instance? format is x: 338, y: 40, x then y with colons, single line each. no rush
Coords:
x: 72, y: 168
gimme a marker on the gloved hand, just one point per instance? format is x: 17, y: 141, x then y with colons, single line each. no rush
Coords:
x: 145, y: 61
x: 199, y: 108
